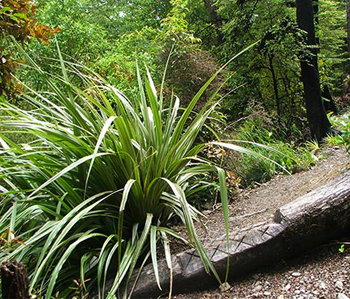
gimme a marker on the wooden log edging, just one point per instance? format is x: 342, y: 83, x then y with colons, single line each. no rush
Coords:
x: 318, y: 216
x: 247, y: 251
x: 304, y: 223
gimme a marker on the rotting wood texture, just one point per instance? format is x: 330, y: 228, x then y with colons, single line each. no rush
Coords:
x: 14, y: 281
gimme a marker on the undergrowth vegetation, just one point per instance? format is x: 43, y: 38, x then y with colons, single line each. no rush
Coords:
x: 342, y: 123
x: 259, y: 134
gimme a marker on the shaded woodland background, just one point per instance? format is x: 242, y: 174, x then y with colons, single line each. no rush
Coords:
x: 110, y: 37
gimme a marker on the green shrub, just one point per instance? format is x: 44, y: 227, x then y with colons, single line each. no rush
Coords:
x: 93, y: 193
x: 341, y: 123
x: 276, y: 155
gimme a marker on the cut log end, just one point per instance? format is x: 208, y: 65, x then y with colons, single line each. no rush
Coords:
x: 14, y: 281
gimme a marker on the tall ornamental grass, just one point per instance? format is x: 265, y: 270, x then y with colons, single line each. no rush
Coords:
x: 90, y: 196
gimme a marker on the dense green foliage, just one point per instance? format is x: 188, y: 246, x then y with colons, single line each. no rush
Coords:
x: 342, y: 123
x: 333, y: 58
x: 259, y: 134
x: 109, y: 37
x: 18, y: 22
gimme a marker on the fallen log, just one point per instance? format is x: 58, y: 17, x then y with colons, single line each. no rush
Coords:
x: 306, y: 222
x: 316, y: 217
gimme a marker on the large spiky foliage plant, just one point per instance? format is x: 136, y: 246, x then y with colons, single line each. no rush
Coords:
x: 94, y: 189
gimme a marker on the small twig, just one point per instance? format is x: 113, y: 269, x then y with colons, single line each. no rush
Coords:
x: 216, y: 207
x: 138, y: 274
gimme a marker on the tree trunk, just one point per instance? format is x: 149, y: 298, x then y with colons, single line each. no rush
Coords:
x: 216, y: 20
x: 14, y: 281
x: 275, y: 88
x: 316, y: 115
x: 292, y: 107
x: 315, y: 9
x: 348, y: 23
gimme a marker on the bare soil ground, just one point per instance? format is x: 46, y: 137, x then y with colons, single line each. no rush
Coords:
x: 322, y: 273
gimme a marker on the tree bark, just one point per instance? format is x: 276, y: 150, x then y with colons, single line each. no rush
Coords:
x: 316, y: 115
x: 318, y: 216
x: 315, y: 9
x: 216, y: 20
x: 348, y: 23
x: 275, y: 88
x: 14, y: 281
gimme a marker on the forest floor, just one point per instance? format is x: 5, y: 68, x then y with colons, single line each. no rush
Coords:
x: 321, y: 273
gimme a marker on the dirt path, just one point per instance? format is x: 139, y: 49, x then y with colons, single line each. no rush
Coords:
x: 323, y: 273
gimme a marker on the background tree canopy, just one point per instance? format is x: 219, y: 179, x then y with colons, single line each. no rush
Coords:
x: 110, y: 36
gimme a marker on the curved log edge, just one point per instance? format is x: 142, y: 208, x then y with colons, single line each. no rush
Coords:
x: 318, y: 216
x: 304, y: 223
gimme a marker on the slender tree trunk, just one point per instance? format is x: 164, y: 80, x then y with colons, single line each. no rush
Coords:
x: 315, y: 8
x: 316, y: 115
x: 292, y: 106
x: 275, y: 88
x: 216, y: 20
x: 348, y: 23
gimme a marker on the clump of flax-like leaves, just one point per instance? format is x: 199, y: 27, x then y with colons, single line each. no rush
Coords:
x: 92, y: 192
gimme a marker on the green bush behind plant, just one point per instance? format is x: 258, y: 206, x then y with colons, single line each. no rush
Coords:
x: 341, y: 123
x: 277, y: 156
